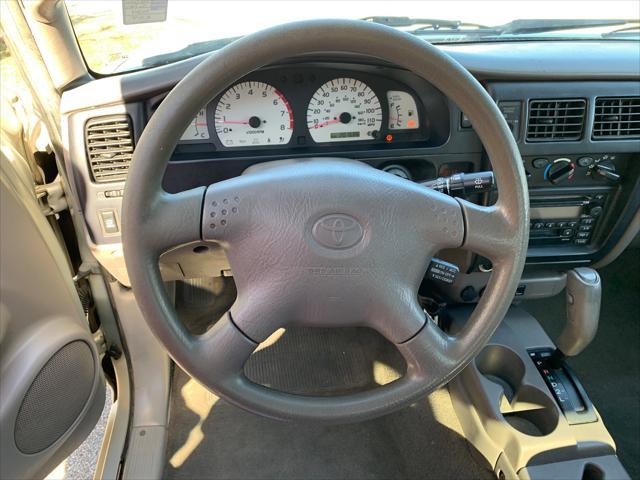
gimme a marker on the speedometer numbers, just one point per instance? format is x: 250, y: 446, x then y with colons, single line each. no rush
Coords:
x: 253, y: 114
x: 344, y: 109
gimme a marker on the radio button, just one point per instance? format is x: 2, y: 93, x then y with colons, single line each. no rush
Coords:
x: 561, y: 224
x: 595, y: 211
x: 566, y: 232
x: 585, y: 228
x: 550, y: 225
x: 571, y: 224
x: 599, y: 197
x: 538, y: 225
x: 587, y: 221
x: 583, y: 234
x: 581, y: 241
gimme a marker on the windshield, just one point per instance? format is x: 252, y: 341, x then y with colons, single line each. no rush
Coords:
x: 117, y: 36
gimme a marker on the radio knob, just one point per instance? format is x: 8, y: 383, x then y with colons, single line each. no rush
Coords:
x: 560, y: 170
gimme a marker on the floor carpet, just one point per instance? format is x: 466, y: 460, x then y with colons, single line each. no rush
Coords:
x: 209, y: 438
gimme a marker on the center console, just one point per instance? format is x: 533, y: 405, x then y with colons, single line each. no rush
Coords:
x: 527, y: 417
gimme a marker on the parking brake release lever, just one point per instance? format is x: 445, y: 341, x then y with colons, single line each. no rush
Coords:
x: 583, y: 294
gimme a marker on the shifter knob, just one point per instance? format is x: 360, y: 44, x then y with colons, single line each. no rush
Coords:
x: 583, y: 311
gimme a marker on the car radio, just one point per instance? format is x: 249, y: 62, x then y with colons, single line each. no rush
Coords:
x: 564, y: 219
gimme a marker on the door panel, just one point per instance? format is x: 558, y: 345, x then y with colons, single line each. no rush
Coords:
x: 52, y: 388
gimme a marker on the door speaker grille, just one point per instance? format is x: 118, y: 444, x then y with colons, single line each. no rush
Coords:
x: 56, y: 398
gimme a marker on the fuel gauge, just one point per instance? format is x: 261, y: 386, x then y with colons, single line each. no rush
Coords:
x: 403, y: 113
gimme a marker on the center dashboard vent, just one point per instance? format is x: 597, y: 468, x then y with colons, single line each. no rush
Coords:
x: 616, y: 118
x: 556, y: 120
x: 109, y: 144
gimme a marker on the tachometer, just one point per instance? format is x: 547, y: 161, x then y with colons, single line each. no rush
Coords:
x: 253, y: 113
x: 344, y: 109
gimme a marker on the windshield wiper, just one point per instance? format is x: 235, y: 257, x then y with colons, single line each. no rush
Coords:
x: 519, y: 27
x: 631, y: 32
x: 426, y: 23
x: 189, y: 51
x: 432, y: 26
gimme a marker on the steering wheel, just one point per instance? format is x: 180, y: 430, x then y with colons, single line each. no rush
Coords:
x: 323, y: 242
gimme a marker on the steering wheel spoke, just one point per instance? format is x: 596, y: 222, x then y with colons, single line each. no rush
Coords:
x: 429, y: 354
x: 172, y: 220
x: 489, y: 231
x: 224, y: 349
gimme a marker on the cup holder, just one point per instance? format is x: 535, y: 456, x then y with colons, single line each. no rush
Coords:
x: 527, y: 409
x: 503, y: 366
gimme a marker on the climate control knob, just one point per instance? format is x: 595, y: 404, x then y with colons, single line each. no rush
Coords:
x: 559, y: 170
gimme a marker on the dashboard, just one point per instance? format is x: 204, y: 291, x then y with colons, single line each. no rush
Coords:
x: 576, y: 121
x: 312, y: 107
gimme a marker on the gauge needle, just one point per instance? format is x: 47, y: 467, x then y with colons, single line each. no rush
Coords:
x: 328, y: 122
x: 236, y: 122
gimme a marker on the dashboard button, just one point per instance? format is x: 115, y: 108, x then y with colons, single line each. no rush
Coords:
x: 550, y: 225
x: 571, y: 224
x: 583, y: 234
x: 109, y: 222
x: 581, y: 241
x: 540, y: 162
x: 585, y: 228
x: 585, y: 161
x: 561, y: 224
x: 538, y: 225
x: 566, y: 232
x: 595, y: 211
x: 587, y: 221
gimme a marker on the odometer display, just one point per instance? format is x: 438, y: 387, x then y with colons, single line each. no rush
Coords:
x: 253, y: 114
x: 344, y: 109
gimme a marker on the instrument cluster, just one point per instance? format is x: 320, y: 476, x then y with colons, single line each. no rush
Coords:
x: 294, y: 107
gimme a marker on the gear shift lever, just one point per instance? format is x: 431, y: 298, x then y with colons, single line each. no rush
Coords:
x: 583, y: 312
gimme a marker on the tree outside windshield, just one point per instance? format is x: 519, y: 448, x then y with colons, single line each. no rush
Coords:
x: 110, y: 46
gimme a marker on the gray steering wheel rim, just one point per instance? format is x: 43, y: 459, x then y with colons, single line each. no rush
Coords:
x: 146, y: 204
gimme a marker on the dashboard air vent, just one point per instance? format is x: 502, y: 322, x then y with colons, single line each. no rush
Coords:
x: 616, y: 118
x: 109, y: 144
x: 556, y: 120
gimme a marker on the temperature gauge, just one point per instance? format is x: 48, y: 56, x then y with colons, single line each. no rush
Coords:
x: 403, y: 113
x: 198, y: 129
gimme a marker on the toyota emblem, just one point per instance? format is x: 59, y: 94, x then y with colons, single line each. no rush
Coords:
x: 337, y: 231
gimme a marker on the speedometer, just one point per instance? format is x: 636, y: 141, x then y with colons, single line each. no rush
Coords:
x: 251, y: 114
x: 344, y: 109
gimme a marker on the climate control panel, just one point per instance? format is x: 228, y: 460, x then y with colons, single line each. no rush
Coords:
x: 575, y: 170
